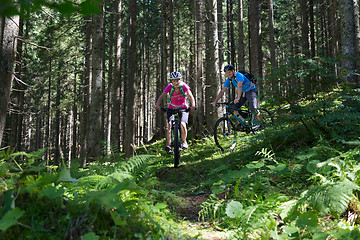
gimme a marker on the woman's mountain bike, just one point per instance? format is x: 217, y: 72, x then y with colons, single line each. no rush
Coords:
x: 229, y: 127
x: 176, y: 132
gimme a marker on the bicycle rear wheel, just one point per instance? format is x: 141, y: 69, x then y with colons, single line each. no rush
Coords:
x: 224, y: 134
x: 176, y: 145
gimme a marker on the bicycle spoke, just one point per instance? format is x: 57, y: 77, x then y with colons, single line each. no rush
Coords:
x: 225, y: 134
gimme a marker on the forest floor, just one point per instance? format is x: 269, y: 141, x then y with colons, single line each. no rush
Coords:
x: 193, y: 224
x: 187, y: 184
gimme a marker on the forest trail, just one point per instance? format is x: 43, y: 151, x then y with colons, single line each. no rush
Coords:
x: 193, y: 224
x: 182, y: 182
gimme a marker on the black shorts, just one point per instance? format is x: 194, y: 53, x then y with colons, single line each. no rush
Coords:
x: 184, y: 116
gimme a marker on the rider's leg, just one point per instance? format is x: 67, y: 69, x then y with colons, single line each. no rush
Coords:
x: 168, y: 134
x: 183, y: 131
x: 253, y: 104
x: 184, y: 122
x: 239, y: 104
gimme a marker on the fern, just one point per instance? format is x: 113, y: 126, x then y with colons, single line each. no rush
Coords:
x: 113, y: 179
x: 268, y: 155
x: 327, y: 198
x: 212, y: 208
x: 135, y: 162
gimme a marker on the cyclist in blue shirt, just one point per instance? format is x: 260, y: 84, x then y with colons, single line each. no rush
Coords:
x: 246, y: 90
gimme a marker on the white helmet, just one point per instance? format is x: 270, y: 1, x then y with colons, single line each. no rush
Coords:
x: 175, y: 75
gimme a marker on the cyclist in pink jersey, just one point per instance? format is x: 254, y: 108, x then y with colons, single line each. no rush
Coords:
x: 178, y: 93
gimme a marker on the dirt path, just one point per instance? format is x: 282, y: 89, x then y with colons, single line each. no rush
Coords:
x: 189, y: 210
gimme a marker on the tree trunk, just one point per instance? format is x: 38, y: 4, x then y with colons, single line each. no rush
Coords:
x: 74, y: 139
x: 304, y: 27
x: 9, y: 32
x: 312, y: 28
x: 220, y: 16
x: 171, y: 35
x: 241, y: 49
x: 348, y: 44
x: 232, y: 34
x: 272, y: 34
x: 57, y: 122
x: 129, y: 139
x: 86, y: 91
x: 357, y: 34
x: 116, y: 100
x: 212, y: 63
x: 17, y: 98
x: 255, y: 38
x: 274, y: 82
x: 95, y: 115
x: 198, y: 93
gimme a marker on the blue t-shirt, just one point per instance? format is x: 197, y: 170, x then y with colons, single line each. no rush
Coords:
x: 247, y: 84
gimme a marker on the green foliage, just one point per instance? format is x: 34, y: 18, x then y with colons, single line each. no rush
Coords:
x: 110, y: 204
x: 212, y: 208
x: 276, y: 185
x: 25, y: 8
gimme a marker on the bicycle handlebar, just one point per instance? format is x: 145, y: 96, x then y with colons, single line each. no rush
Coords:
x: 224, y: 103
x: 175, y: 110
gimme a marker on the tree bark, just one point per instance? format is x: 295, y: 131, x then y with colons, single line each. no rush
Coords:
x: 9, y: 32
x: 220, y: 16
x: 116, y: 88
x: 348, y: 44
x: 304, y: 27
x: 241, y: 49
x: 255, y: 38
x: 95, y: 115
x: 171, y: 36
x: 198, y: 93
x: 357, y: 34
x: 312, y: 28
x: 129, y: 139
x: 17, y: 97
x: 272, y: 34
x: 212, y: 63
x: 86, y: 91
x: 57, y: 121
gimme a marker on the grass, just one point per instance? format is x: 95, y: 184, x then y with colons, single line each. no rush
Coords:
x: 258, y: 190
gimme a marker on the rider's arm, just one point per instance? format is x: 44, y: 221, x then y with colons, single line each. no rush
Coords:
x: 239, y: 90
x: 221, y: 93
x: 158, y: 102
x: 191, y: 98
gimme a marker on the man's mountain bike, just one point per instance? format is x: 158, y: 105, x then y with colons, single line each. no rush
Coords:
x: 229, y: 127
x: 176, y: 132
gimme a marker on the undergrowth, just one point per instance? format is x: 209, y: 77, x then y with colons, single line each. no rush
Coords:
x: 298, y: 179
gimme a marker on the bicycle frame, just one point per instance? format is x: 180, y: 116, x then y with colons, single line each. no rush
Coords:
x: 226, y: 128
x: 227, y: 114
x: 176, y: 132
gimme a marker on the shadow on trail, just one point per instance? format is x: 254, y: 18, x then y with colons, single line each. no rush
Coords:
x: 191, y: 182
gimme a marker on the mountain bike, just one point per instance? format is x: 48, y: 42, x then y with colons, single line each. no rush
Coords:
x: 228, y: 127
x: 176, y: 132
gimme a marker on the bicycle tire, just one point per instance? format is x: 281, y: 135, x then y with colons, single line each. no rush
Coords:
x: 267, y: 120
x: 225, y: 134
x: 176, y: 145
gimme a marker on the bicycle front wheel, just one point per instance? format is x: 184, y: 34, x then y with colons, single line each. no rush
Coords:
x: 224, y: 134
x: 176, y: 145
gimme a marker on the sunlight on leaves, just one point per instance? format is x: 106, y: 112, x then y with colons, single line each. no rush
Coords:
x: 64, y: 176
x: 234, y: 209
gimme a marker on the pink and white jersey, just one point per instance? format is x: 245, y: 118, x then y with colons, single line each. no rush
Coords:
x: 177, y: 99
